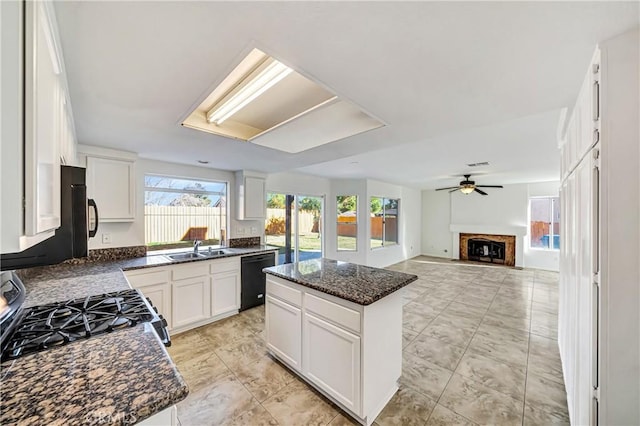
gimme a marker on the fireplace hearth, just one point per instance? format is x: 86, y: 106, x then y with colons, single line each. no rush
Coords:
x: 488, y: 248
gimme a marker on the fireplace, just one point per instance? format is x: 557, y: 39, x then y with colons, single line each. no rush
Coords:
x: 497, y: 249
x: 483, y: 250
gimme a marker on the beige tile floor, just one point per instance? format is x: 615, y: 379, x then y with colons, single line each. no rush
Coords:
x: 479, y: 348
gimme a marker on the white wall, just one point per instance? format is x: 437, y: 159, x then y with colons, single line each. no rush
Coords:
x: 507, y: 207
x: 436, y: 218
x: 127, y: 234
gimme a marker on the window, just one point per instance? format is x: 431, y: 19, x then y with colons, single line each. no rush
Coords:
x: 178, y: 211
x: 384, y: 221
x: 347, y: 222
x: 544, y: 213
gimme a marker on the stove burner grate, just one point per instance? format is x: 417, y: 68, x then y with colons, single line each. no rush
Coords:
x: 56, y: 324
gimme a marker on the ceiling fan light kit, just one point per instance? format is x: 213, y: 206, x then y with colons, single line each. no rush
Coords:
x: 467, y: 186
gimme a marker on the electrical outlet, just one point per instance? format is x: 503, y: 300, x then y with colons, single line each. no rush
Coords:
x: 106, y: 238
x: 254, y: 230
x: 240, y: 230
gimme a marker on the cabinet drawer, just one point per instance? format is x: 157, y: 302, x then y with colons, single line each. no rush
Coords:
x: 139, y: 279
x: 193, y: 269
x: 284, y: 292
x: 225, y: 265
x: 332, y: 311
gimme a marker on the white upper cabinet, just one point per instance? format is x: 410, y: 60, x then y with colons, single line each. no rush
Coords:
x: 111, y: 183
x: 37, y: 126
x: 251, y: 196
x: 42, y: 106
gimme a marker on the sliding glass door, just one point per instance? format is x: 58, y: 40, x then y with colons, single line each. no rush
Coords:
x: 294, y: 224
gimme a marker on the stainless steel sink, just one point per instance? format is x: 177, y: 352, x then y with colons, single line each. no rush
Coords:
x: 186, y: 256
x: 214, y: 253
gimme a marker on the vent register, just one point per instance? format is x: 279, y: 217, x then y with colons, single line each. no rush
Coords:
x: 267, y: 103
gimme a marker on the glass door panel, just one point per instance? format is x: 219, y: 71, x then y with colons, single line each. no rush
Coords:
x: 293, y: 223
x: 309, y: 232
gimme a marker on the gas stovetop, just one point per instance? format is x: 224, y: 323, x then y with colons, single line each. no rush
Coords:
x: 46, y: 326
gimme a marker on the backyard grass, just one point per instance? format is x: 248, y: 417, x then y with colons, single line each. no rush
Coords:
x: 312, y: 242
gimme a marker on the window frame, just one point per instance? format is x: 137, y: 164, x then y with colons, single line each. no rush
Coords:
x: 355, y: 249
x: 384, y: 227
x: 552, y: 211
x: 227, y: 216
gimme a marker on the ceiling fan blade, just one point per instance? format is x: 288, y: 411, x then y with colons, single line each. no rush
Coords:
x: 451, y: 187
x: 489, y: 186
x: 479, y: 191
x: 454, y: 190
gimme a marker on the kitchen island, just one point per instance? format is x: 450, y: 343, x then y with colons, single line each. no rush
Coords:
x: 338, y: 325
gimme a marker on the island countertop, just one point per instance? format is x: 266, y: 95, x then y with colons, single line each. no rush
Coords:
x: 360, y: 284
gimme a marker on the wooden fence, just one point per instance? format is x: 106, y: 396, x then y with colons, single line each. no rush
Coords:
x: 176, y: 223
x: 540, y: 229
x: 305, y: 219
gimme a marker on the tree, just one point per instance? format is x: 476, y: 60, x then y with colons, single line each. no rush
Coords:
x: 276, y: 201
x: 346, y: 203
x: 376, y: 205
x: 313, y: 205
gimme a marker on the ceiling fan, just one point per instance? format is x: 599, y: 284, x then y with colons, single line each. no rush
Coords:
x: 467, y: 186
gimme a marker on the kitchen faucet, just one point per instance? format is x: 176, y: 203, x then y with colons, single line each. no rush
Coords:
x: 196, y: 244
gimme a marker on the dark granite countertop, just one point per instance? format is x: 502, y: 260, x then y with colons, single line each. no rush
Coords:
x: 355, y: 283
x: 47, y: 284
x: 116, y: 378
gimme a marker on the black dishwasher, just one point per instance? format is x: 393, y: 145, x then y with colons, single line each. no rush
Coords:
x: 253, y: 279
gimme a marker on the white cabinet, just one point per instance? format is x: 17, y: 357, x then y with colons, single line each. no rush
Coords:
x: 224, y: 292
x: 166, y: 417
x: 190, y: 301
x: 37, y: 124
x: 225, y: 285
x: 283, y: 325
x: 154, y: 283
x: 598, y: 322
x: 351, y: 353
x: 42, y: 105
x: 191, y: 294
x: 332, y: 360
x: 111, y: 183
x: 251, y: 196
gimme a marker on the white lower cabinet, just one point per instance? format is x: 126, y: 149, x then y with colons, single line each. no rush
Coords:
x: 191, y: 294
x: 224, y: 293
x: 332, y: 360
x: 283, y: 324
x: 166, y: 417
x: 154, y: 284
x: 190, y: 301
x: 351, y: 353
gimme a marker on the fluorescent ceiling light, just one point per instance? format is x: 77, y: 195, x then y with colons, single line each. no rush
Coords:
x: 249, y: 90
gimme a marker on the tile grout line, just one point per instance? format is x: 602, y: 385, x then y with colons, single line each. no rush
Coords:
x: 462, y: 356
x: 526, y: 372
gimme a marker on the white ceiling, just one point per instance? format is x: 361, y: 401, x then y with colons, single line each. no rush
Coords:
x: 455, y: 82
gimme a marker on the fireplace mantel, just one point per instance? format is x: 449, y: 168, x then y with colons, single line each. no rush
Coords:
x: 518, y: 231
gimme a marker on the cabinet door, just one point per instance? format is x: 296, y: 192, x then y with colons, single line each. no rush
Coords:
x: 160, y: 295
x: 225, y: 291
x: 42, y: 109
x: 332, y: 360
x: 112, y: 184
x: 254, y: 200
x: 283, y: 325
x: 190, y: 301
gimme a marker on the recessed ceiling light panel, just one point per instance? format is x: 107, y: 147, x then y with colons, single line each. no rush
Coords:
x: 262, y: 96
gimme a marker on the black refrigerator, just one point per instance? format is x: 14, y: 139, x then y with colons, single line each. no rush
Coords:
x: 71, y: 239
